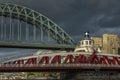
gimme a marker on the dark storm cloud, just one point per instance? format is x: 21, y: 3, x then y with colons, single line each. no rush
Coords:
x: 78, y: 16
x: 112, y: 21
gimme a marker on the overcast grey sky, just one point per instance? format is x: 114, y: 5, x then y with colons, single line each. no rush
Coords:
x: 77, y: 16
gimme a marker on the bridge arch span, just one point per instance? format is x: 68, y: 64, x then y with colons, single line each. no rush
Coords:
x: 35, y: 18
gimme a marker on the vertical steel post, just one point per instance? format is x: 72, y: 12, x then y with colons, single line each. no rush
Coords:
x: 18, y: 28
x: 2, y: 27
x: 10, y: 27
x: 5, y: 30
x: 56, y: 33
x: 34, y: 33
x: 48, y: 33
x: 41, y: 30
x: 27, y: 31
x: 12, y: 23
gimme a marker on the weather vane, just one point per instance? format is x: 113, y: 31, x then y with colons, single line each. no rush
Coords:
x: 87, y: 34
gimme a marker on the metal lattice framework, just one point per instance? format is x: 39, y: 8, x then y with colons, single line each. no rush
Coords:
x: 35, y: 18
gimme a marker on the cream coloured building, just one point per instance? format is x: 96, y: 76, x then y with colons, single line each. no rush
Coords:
x: 108, y: 44
x: 97, y: 41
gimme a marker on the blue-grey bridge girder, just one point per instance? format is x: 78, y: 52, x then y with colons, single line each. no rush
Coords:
x: 35, y: 18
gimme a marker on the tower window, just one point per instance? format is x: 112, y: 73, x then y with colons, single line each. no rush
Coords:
x: 86, y: 42
x: 82, y: 42
x: 90, y: 42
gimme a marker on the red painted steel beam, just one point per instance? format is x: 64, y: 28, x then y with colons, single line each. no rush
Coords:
x: 4, y: 69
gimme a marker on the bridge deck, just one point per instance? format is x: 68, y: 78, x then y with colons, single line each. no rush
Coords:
x: 36, y: 45
x: 56, y: 67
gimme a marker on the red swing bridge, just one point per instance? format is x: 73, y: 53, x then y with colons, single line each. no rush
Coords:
x: 66, y: 61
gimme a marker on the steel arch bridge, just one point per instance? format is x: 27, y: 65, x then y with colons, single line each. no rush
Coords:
x: 24, y: 27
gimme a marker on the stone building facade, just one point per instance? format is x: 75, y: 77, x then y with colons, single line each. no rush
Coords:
x: 108, y: 43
